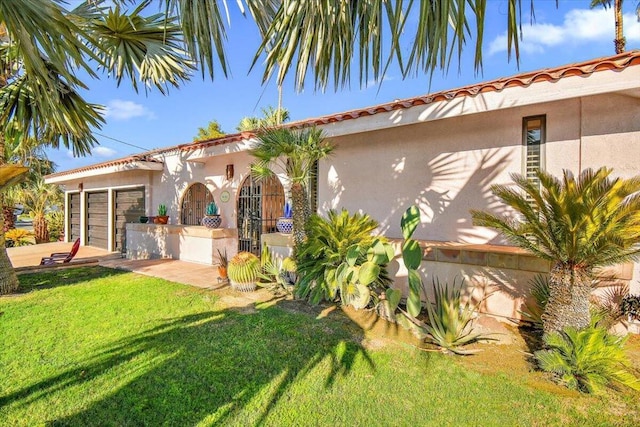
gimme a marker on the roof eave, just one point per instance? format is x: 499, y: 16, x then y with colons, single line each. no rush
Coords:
x: 137, y: 165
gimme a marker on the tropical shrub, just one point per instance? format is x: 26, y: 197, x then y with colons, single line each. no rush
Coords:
x: 18, y: 237
x: 587, y: 360
x: 341, y: 258
x: 55, y: 224
x: 577, y: 223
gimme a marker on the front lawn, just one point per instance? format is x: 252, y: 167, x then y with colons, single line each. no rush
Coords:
x: 94, y: 346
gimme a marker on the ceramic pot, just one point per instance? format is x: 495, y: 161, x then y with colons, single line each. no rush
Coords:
x: 284, y: 225
x: 161, y: 220
x: 212, y: 221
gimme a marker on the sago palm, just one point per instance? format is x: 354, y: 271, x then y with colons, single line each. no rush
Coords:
x: 294, y: 152
x: 578, y: 223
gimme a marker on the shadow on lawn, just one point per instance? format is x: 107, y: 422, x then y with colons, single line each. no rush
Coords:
x: 205, y: 366
x: 64, y: 277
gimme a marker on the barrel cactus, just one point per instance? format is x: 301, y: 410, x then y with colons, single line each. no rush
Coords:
x: 243, y: 271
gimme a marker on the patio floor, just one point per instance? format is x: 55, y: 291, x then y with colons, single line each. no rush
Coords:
x: 201, y: 276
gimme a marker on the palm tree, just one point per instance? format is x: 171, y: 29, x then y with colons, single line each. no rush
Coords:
x: 37, y: 197
x: 43, y: 47
x: 578, y: 224
x: 620, y: 41
x: 271, y: 117
x: 295, y: 152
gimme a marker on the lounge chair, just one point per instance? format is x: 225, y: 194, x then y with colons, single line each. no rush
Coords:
x: 61, y: 257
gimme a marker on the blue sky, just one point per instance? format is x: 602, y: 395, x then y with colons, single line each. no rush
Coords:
x: 563, y: 35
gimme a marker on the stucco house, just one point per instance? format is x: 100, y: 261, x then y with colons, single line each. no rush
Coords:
x: 441, y: 151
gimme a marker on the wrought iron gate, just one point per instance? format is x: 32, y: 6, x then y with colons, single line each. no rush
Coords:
x: 260, y: 203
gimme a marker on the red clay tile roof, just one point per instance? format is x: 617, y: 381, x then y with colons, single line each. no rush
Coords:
x: 615, y: 63
x: 123, y: 161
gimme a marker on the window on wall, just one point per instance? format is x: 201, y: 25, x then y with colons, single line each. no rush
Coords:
x: 534, y: 136
x: 194, y: 204
x: 313, y: 188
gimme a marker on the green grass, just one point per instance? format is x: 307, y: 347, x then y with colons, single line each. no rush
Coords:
x: 94, y: 346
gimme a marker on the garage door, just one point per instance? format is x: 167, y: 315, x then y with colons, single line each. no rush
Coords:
x: 97, y: 219
x: 74, y: 217
x: 129, y: 207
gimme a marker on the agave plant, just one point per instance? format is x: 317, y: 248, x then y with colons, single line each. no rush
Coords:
x: 243, y: 271
x: 450, y: 320
x: 587, y: 360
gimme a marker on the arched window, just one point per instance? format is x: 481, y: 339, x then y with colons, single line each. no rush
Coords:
x: 194, y: 204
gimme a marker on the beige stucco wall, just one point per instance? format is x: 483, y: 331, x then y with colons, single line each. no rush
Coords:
x: 446, y: 167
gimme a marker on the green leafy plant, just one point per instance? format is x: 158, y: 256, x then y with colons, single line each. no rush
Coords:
x: 450, y: 320
x: 278, y: 276
x: 162, y: 210
x: 587, y: 360
x: 244, y: 269
x: 19, y: 237
x: 55, y: 224
x: 412, y: 257
x: 578, y: 223
x: 342, y: 259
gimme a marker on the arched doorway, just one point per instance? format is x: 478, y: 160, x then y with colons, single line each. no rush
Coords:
x: 194, y: 204
x: 260, y: 203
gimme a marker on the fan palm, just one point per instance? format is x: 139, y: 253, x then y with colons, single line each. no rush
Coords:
x: 295, y: 152
x: 43, y: 47
x: 577, y: 223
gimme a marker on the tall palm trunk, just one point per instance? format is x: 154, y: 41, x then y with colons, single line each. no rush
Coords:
x: 301, y: 211
x: 619, y: 41
x: 7, y: 215
x: 40, y: 229
x: 8, y: 277
x: 568, y: 305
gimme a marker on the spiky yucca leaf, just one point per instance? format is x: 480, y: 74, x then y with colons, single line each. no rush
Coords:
x: 587, y: 360
x: 450, y: 320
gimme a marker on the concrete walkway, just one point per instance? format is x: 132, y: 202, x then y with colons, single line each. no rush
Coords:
x: 202, y: 276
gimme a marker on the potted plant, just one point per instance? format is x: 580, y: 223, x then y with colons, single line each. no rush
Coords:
x: 243, y: 270
x: 284, y: 224
x: 162, y: 217
x: 223, y: 262
x: 212, y: 218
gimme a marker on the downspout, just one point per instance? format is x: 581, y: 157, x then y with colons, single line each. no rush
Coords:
x: 580, y: 137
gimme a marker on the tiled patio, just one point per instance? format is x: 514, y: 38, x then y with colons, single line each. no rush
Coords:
x: 202, y: 276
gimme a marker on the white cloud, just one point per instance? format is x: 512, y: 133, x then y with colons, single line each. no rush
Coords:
x: 98, y: 151
x: 119, y: 109
x: 580, y: 26
x: 103, y: 151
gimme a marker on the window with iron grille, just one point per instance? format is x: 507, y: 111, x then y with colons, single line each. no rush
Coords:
x: 194, y: 204
x: 533, y: 139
